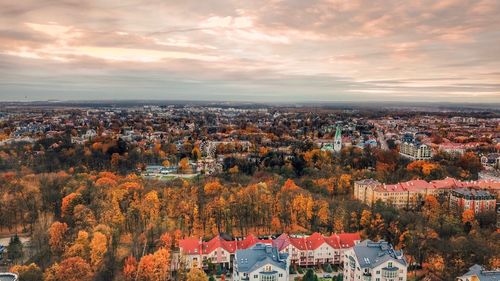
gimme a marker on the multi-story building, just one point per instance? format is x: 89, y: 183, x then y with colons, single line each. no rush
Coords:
x: 374, y: 261
x: 315, y: 249
x: 452, y: 148
x: 478, y: 273
x: 261, y: 262
x: 473, y: 199
x: 415, y: 150
x: 412, y: 193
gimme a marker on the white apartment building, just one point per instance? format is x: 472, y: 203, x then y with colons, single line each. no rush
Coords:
x: 374, y: 261
x: 260, y: 263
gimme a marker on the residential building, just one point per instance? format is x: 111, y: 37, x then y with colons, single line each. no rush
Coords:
x: 415, y: 150
x: 374, y: 261
x: 316, y: 249
x: 473, y: 199
x: 478, y: 273
x: 491, y: 160
x: 302, y: 250
x: 261, y: 262
x: 412, y: 193
x: 452, y: 148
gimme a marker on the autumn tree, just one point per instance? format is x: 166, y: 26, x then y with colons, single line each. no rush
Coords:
x: 29, y: 272
x: 154, y: 267
x: 366, y: 217
x: 98, y: 249
x: 70, y: 269
x: 81, y: 247
x: 184, y: 166
x: 130, y: 268
x: 197, y: 274
x: 57, y: 236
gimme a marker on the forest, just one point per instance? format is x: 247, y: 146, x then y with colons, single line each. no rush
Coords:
x: 90, y: 221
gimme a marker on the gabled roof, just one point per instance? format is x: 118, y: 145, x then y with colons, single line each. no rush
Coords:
x: 259, y: 255
x: 281, y: 242
x: 299, y: 243
x: 348, y: 240
x: 343, y: 240
x: 190, y: 246
x: 218, y: 242
x: 314, y: 241
x: 251, y: 240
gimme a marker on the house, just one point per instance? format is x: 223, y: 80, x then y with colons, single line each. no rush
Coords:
x: 478, y: 273
x: 491, y: 160
x: 374, y: 261
x: 261, y: 262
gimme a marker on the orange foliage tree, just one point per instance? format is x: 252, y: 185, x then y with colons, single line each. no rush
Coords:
x: 57, y: 232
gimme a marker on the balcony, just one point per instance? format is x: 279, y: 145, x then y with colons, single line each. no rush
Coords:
x: 390, y: 272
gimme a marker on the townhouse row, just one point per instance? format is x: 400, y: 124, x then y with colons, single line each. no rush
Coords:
x: 302, y: 250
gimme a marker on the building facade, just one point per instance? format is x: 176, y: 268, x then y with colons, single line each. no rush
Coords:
x: 302, y: 250
x: 261, y: 262
x: 374, y: 261
x: 412, y: 193
x: 471, y: 199
x: 415, y: 150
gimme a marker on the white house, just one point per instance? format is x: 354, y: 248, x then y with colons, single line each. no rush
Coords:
x: 374, y: 261
x: 260, y: 263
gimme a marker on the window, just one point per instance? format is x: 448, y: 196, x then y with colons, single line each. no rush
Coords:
x: 390, y: 264
x: 266, y: 277
x: 378, y: 272
x: 255, y: 276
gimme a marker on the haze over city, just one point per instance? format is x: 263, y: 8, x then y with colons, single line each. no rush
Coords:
x: 262, y: 51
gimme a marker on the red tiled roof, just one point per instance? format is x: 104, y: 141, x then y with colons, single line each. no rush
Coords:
x: 281, y: 242
x: 314, y: 241
x: 193, y: 245
x: 190, y: 245
x: 251, y: 240
x: 298, y: 242
x: 347, y: 240
x: 333, y: 240
x: 218, y: 242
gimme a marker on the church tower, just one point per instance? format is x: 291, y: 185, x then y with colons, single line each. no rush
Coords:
x: 337, y: 144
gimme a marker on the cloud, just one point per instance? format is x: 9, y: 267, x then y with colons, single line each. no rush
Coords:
x: 319, y: 49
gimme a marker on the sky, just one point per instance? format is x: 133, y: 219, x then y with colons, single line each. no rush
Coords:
x: 263, y: 51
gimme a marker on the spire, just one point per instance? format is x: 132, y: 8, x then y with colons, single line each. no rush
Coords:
x: 338, y: 133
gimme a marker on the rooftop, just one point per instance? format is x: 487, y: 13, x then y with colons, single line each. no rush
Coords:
x: 259, y: 255
x: 8, y: 277
x: 371, y: 254
x: 481, y: 274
